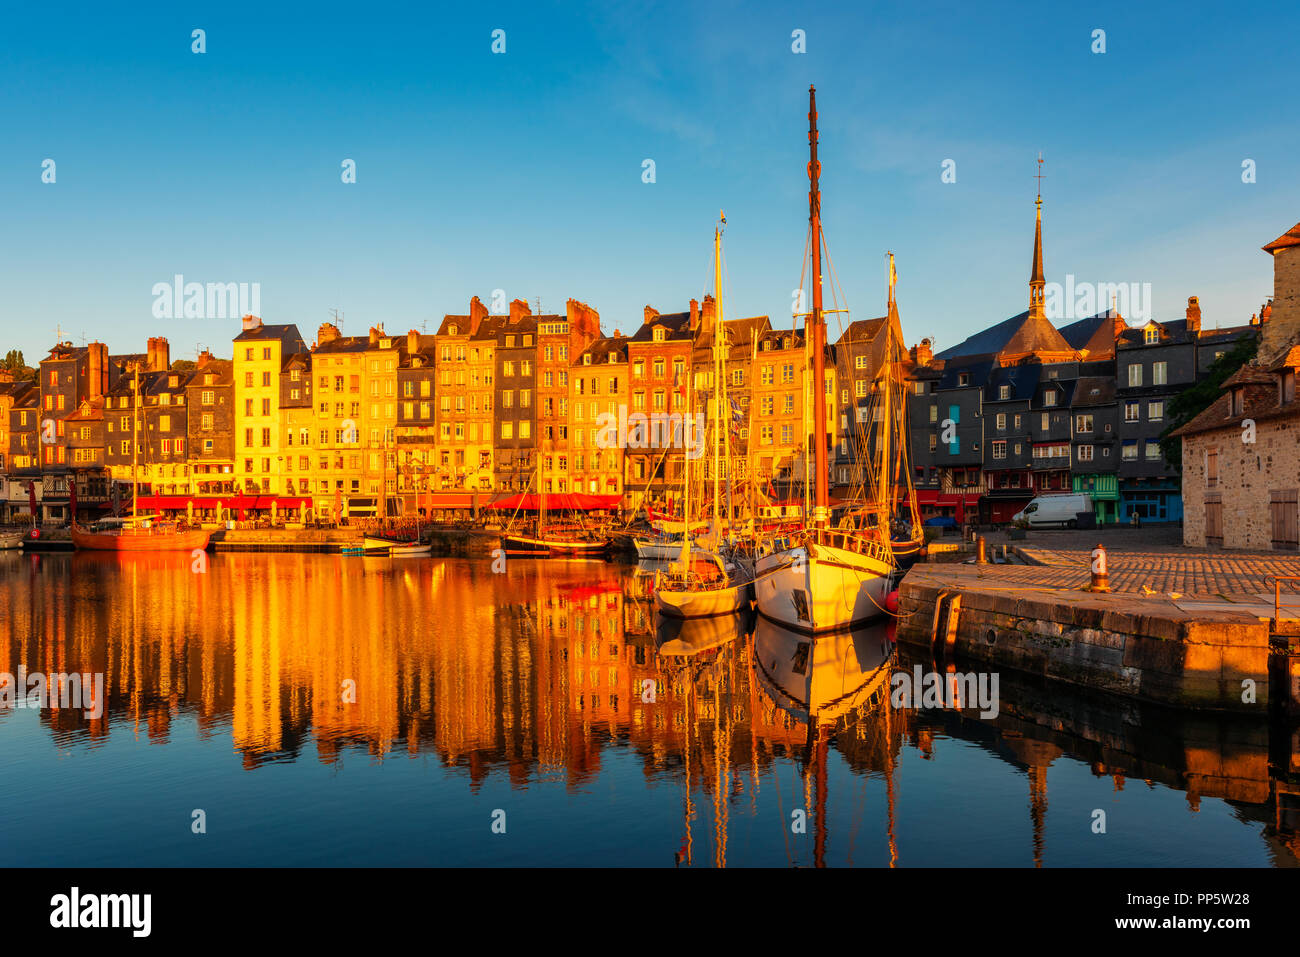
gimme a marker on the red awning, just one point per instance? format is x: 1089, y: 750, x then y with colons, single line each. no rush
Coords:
x: 182, y: 502
x: 557, y: 501
x: 445, y: 499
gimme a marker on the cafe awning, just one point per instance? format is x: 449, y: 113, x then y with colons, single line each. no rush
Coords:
x: 558, y: 501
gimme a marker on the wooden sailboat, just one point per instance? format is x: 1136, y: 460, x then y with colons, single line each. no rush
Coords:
x: 719, y: 581
x: 139, y: 535
x: 550, y: 541
x: 823, y: 578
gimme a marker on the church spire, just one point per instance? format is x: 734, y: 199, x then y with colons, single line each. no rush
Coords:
x: 1036, y: 283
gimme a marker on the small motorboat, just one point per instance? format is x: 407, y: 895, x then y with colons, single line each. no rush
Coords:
x: 11, y: 540
x: 661, y: 548
x: 410, y: 549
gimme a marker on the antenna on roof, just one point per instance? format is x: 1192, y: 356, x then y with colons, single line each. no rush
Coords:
x: 337, y: 316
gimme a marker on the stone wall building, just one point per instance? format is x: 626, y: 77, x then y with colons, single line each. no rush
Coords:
x: 1241, y: 456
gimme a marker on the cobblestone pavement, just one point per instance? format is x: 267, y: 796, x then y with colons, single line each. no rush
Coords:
x: 1149, y: 561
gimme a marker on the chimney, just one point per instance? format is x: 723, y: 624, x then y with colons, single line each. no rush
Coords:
x: 252, y: 322
x: 518, y: 309
x: 374, y: 335
x: 97, y: 359
x: 922, y: 353
x: 584, y: 322
x: 413, y: 342
x: 651, y: 314
x: 1193, y: 315
x: 159, y: 357
x: 695, y: 313
x: 204, y: 360
x: 709, y: 310
x: 327, y: 332
x: 477, y: 313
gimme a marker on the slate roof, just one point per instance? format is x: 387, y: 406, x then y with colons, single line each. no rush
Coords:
x: 1094, y: 335
x: 290, y: 339
x: 1173, y: 332
x: 601, y: 348
x: 344, y: 344
x: 677, y: 324
x: 741, y: 331
x: 1093, y: 391
x: 977, y: 369
x: 1022, y: 333
x: 1023, y: 380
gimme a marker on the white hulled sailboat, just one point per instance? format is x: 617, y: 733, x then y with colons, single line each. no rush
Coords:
x: 822, y: 578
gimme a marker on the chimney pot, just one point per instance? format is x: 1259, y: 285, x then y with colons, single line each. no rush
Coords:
x: 1193, y: 314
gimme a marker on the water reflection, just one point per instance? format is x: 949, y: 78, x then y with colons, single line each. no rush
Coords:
x: 557, y: 675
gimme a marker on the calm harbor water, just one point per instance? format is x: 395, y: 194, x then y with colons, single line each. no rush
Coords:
x: 529, y: 693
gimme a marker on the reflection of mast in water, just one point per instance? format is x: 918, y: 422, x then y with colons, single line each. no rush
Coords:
x: 695, y: 650
x: 826, y: 681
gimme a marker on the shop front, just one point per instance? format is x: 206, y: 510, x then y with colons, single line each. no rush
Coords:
x: 1155, y: 500
x: 1103, y: 489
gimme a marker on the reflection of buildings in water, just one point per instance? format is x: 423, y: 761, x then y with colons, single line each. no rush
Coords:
x: 537, y: 670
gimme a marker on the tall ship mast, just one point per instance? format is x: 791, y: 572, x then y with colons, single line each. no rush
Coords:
x: 824, y: 578
x: 720, y: 580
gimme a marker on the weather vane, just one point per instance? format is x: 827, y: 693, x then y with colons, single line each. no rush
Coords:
x: 1039, y: 175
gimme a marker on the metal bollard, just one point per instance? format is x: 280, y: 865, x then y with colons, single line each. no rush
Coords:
x: 1100, y: 579
x: 981, y: 551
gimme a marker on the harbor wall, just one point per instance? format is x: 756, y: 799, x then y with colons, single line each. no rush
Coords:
x: 1123, y: 644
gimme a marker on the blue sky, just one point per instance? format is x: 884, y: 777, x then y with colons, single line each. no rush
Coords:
x: 523, y: 171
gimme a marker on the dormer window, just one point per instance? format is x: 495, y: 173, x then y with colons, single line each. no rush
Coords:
x: 1238, y: 401
x: 1286, y: 387
x: 660, y: 333
x: 453, y: 330
x: 1004, y: 392
x: 963, y: 378
x: 1049, y: 398
x: 613, y: 357
x: 1151, y: 334
x: 586, y: 359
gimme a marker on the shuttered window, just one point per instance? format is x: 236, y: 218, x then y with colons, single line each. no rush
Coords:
x: 1282, y: 508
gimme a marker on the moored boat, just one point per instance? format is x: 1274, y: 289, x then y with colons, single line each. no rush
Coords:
x: 555, y: 545
x: 719, y: 579
x: 826, y: 581
x: 709, y: 585
x: 823, y: 579
x: 659, y: 549
x: 157, y: 538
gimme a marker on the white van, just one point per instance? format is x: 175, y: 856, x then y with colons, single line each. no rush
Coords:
x: 1060, y: 509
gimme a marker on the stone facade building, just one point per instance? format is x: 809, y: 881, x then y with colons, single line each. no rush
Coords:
x: 1241, y: 456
